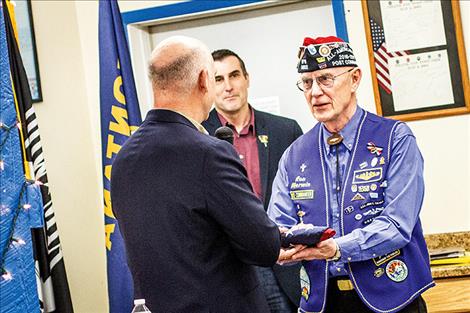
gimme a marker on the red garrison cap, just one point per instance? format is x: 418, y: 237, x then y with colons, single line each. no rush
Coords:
x: 320, y: 40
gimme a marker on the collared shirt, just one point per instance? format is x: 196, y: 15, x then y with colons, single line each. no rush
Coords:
x: 247, y: 147
x: 344, y: 152
x: 404, y: 197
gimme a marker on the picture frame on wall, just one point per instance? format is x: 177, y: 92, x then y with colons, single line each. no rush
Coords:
x: 27, y: 45
x: 417, y: 58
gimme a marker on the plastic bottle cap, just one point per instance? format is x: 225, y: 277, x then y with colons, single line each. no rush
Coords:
x: 139, y: 301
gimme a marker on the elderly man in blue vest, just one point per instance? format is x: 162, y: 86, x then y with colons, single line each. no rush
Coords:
x: 361, y: 175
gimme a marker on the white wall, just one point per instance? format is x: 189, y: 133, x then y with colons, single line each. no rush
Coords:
x: 71, y: 157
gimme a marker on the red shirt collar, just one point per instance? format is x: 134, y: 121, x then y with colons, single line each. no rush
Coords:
x: 246, y: 129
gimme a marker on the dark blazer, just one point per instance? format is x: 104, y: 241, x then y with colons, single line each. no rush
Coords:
x: 190, y: 222
x: 281, y: 132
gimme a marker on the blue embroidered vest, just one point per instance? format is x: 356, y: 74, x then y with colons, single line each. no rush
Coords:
x: 386, y: 283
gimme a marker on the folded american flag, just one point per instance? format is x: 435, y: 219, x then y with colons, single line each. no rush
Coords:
x: 306, y: 234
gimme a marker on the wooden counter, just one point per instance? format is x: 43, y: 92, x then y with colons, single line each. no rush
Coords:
x: 452, y: 291
x: 450, y: 295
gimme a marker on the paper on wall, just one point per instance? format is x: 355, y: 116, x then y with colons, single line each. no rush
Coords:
x: 421, y: 80
x: 413, y: 24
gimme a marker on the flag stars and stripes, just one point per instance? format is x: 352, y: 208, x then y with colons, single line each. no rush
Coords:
x: 382, y: 56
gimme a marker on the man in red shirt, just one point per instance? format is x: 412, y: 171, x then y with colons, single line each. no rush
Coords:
x: 260, y: 139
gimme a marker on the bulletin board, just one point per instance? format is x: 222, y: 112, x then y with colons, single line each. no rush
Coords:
x: 417, y: 58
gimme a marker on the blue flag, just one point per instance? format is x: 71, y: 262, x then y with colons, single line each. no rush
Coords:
x: 120, y: 116
x: 20, y: 200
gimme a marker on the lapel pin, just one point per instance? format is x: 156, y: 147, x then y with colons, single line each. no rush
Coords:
x: 382, y: 161
x: 357, y: 197
x: 374, y: 149
x: 264, y: 139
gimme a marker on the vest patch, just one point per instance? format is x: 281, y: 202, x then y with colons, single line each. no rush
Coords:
x: 367, y: 175
x: 349, y: 210
x: 373, y: 203
x: 302, y: 194
x: 304, y: 283
x: 357, y: 197
x: 374, y: 211
x: 396, y: 270
x: 384, y: 258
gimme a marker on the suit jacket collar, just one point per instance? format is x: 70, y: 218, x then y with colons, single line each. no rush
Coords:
x: 162, y: 115
x: 262, y: 131
x: 212, y: 122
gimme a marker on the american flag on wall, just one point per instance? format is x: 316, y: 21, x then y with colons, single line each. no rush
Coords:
x: 381, y: 56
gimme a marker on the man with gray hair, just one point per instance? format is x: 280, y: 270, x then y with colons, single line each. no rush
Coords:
x: 191, y: 224
x: 362, y: 175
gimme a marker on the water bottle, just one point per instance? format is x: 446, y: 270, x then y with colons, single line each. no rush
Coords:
x: 140, y: 307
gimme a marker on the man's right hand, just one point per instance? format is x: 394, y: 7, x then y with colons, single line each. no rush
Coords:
x: 285, y: 255
x: 322, y: 251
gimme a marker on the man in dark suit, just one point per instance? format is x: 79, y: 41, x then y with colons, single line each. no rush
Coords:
x: 260, y: 139
x: 191, y: 224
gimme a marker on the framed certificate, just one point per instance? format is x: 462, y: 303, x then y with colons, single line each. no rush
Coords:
x: 417, y: 58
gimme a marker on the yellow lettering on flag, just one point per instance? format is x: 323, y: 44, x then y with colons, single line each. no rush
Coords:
x: 118, y: 125
x: 112, y: 147
x: 107, y: 172
x: 117, y: 90
x: 108, y: 209
x: 109, y: 229
x: 120, y: 115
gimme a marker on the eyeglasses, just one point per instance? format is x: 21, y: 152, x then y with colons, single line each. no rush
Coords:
x: 326, y: 80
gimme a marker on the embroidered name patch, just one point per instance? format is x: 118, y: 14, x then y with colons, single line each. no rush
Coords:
x: 308, y: 194
x: 373, y: 211
x: 367, y: 175
x: 373, y: 203
x: 382, y: 259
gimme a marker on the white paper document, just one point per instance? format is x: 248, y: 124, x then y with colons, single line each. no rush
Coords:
x: 267, y: 104
x: 413, y: 24
x: 421, y: 80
